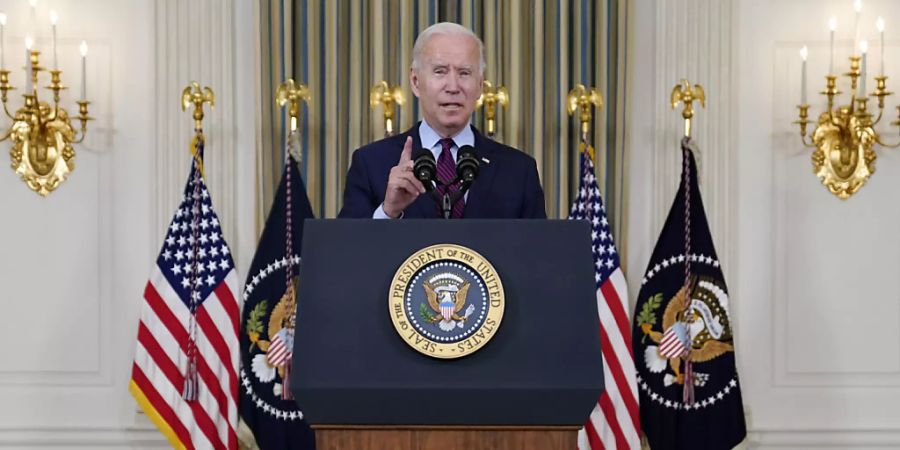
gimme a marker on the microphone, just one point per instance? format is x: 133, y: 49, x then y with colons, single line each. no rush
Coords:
x: 466, y: 164
x: 424, y: 168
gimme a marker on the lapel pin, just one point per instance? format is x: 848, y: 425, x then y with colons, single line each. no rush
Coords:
x: 486, y: 161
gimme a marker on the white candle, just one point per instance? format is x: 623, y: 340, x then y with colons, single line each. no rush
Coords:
x: 53, y: 19
x: 832, y: 25
x: 804, y: 52
x: 880, y: 25
x: 28, y: 43
x: 84, y: 49
x: 857, y: 6
x: 863, y: 48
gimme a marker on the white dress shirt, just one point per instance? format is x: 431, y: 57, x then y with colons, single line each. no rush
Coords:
x: 431, y: 140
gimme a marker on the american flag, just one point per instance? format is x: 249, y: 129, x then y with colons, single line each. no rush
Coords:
x: 615, y: 420
x: 194, y: 263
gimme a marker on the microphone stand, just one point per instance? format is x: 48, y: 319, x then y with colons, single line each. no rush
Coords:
x: 447, y: 200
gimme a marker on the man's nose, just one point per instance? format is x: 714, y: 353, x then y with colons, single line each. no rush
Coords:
x: 452, y: 86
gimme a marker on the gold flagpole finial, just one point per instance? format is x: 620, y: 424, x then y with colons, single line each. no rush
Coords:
x: 193, y: 94
x: 682, y: 92
x: 292, y: 93
x: 388, y: 97
x: 583, y: 98
x: 490, y: 97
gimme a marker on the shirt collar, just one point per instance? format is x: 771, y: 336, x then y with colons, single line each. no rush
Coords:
x: 430, y: 138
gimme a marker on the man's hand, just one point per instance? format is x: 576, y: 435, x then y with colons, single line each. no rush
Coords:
x: 403, y: 188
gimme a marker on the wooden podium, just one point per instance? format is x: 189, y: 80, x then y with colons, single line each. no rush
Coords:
x: 532, y: 386
x: 330, y: 437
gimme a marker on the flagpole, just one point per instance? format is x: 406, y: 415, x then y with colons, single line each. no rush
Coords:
x: 193, y: 94
x: 291, y: 94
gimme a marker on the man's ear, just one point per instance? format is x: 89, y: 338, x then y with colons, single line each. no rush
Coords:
x: 414, y: 81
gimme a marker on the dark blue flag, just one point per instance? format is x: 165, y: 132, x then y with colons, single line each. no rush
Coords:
x: 690, y: 395
x: 269, y: 415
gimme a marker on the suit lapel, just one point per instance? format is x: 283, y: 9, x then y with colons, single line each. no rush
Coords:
x: 487, y: 168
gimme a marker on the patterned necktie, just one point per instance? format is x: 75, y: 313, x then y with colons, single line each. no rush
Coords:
x: 446, y: 172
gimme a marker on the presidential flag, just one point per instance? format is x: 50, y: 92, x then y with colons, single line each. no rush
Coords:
x: 614, y: 423
x: 270, y: 419
x: 184, y: 375
x: 690, y: 394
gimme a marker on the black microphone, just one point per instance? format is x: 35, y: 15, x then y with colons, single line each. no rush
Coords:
x: 466, y: 164
x: 424, y: 168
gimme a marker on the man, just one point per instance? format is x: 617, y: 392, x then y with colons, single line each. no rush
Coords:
x: 446, y: 75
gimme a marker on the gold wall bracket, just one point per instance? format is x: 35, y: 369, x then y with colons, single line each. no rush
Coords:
x: 844, y: 136
x: 42, y: 133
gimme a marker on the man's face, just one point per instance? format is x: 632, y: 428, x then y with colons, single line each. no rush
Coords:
x: 447, y: 82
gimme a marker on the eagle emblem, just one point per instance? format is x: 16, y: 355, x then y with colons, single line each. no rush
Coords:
x: 446, y: 293
x: 704, y: 329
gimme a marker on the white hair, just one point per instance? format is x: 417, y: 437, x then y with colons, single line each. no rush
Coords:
x: 446, y: 28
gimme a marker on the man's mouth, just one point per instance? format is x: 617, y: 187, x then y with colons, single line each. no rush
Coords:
x: 451, y: 106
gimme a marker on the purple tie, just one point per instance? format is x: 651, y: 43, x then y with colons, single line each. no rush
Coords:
x: 446, y: 172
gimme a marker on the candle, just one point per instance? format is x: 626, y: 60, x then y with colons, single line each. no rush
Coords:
x: 880, y: 25
x: 863, y: 48
x: 832, y: 25
x: 28, y: 43
x: 53, y: 19
x: 857, y: 6
x: 804, y: 52
x: 83, y: 48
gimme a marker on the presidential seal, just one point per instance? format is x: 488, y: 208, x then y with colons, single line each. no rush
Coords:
x: 446, y: 301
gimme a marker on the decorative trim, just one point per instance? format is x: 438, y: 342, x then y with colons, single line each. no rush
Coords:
x: 75, y: 437
x: 151, y: 438
x: 824, y: 439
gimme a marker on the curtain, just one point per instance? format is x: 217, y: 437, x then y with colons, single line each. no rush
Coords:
x: 538, y: 50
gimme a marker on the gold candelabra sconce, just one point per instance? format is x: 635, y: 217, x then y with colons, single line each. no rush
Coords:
x: 584, y: 99
x: 686, y: 95
x: 388, y: 97
x: 491, y: 97
x: 844, y: 135
x: 41, y: 132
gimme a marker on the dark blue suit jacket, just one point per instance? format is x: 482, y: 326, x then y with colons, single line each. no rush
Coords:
x: 507, y: 185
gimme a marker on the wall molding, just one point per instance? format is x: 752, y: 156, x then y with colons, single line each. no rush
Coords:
x: 141, y: 438
x: 824, y: 439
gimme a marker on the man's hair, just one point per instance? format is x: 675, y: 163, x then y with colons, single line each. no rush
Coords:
x: 446, y: 28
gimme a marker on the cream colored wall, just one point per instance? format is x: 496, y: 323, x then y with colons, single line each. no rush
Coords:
x: 814, y: 279
x: 74, y: 264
